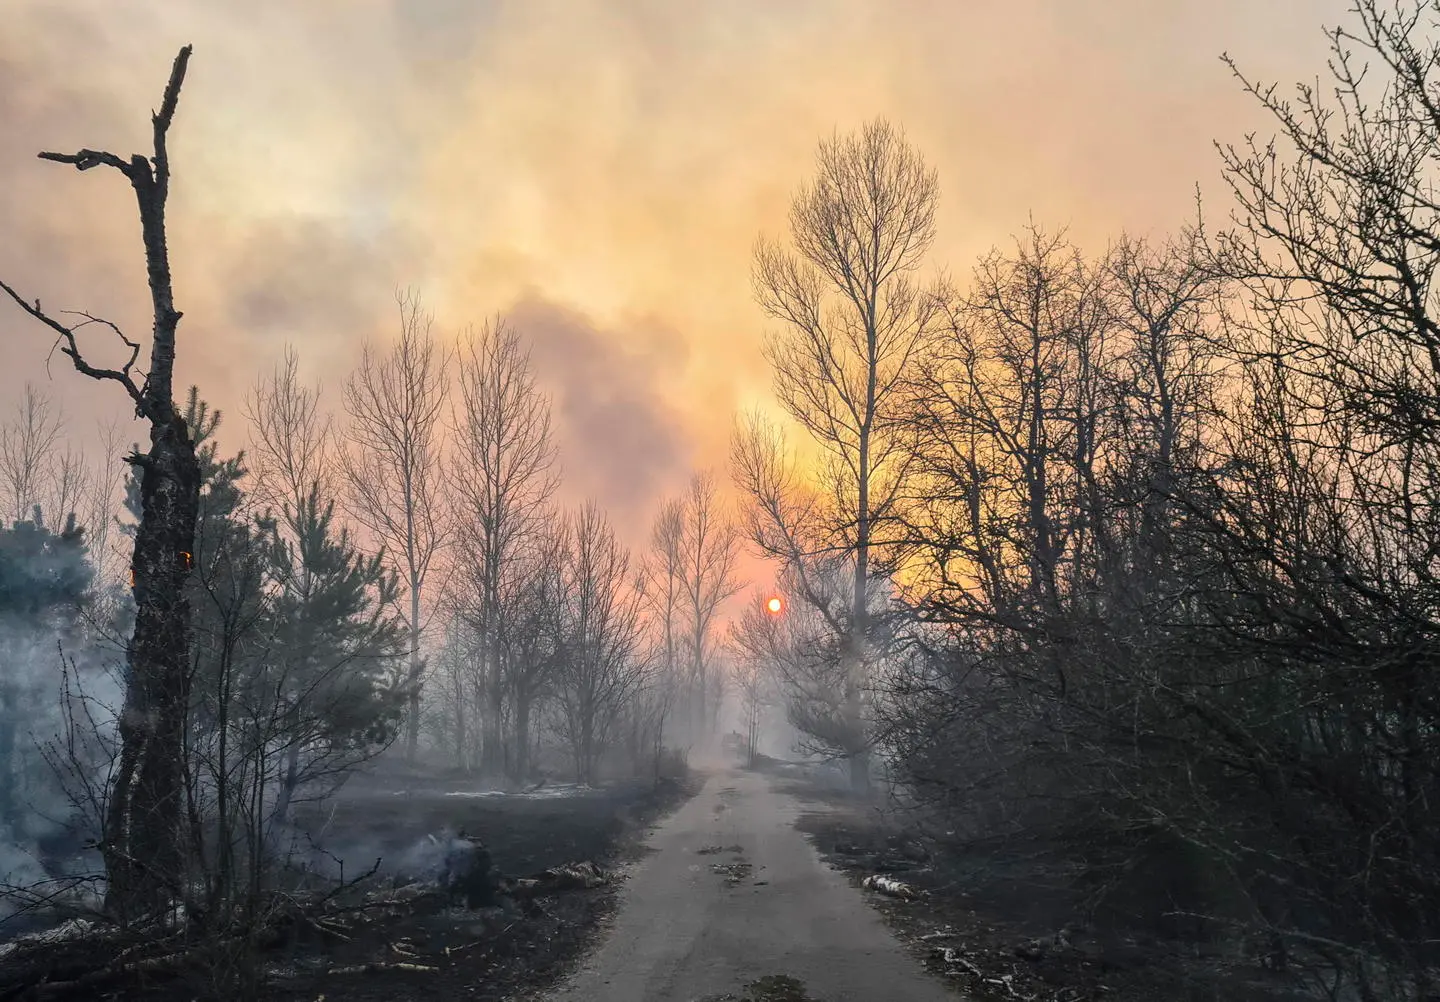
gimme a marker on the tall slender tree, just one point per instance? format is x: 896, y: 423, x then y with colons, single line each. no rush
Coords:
x: 709, y: 545
x: 661, y: 582
x: 603, y: 661
x: 502, y: 480
x: 853, y: 321
x: 395, y: 401
x: 143, y: 848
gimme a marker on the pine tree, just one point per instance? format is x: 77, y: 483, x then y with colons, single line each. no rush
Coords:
x: 45, y: 581
x: 338, y: 644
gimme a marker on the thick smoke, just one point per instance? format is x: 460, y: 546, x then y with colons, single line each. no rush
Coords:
x: 625, y: 154
x: 57, y: 715
x: 609, y: 403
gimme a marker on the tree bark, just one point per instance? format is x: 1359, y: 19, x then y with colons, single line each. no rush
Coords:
x: 417, y: 670
x: 143, y: 857
x: 492, y: 754
x: 459, y: 697
x: 522, y: 736
x: 144, y: 845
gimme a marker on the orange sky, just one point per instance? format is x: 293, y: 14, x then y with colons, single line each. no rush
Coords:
x: 601, y: 168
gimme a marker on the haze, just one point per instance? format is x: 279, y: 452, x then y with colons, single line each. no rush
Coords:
x: 599, y: 171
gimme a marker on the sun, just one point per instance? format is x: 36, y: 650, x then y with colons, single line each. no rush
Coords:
x: 775, y: 604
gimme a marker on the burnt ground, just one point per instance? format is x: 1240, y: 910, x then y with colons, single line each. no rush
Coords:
x: 485, y: 954
x: 421, y: 945
x: 996, y: 931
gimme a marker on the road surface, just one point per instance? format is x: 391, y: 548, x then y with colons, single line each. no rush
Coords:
x: 686, y: 933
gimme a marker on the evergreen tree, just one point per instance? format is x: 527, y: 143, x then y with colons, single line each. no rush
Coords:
x: 295, y: 647
x: 337, y: 644
x: 42, y: 571
x: 45, y: 581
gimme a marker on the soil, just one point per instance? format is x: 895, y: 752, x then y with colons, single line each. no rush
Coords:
x: 992, y: 936
x: 433, y: 947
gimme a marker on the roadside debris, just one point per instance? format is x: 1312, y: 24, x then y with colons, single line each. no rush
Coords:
x: 82, y: 957
x: 711, y: 850
x: 567, y: 877
x: 953, y: 958
x: 71, y: 929
x: 733, y: 873
x: 891, y: 887
x: 380, y: 968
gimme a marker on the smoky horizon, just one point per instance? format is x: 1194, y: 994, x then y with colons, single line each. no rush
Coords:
x: 696, y: 502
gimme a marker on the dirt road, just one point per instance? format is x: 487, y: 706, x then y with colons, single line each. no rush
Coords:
x: 697, y: 926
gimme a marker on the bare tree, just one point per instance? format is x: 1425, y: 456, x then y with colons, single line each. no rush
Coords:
x: 1009, y: 404
x: 603, y: 662
x: 787, y: 520
x: 101, y: 507
x: 1326, y: 513
x: 289, y: 463
x: 661, y: 585
x: 755, y: 640
x: 291, y: 440
x: 854, y: 319
x: 502, y: 479
x: 709, y: 545
x: 661, y: 577
x: 70, y: 483
x: 27, y: 443
x: 142, y: 844
x: 42, y: 473
x: 532, y: 609
x: 452, y: 719
x: 395, y: 401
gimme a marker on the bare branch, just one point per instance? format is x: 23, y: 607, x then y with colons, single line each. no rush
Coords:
x: 70, y: 348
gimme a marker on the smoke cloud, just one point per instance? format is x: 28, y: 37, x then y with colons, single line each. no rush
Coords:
x: 620, y: 158
x: 608, y: 400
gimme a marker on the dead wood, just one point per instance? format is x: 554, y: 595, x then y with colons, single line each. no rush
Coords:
x: 378, y: 967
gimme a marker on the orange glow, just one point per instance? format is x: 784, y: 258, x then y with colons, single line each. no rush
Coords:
x: 775, y: 605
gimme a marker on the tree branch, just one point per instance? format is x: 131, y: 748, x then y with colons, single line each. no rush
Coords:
x: 67, y: 334
x: 86, y: 159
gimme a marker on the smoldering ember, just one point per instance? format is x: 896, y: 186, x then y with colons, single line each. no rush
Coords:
x: 699, y: 502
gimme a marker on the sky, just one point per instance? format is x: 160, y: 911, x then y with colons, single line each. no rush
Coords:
x: 596, y: 170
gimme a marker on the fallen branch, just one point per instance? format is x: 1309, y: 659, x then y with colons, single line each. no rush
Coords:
x: 169, y: 964
x: 379, y: 967
x: 892, y: 887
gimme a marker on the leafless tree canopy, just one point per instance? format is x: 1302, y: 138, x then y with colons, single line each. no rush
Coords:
x: 27, y: 442
x: 395, y: 401
x: 604, y: 662
x: 291, y: 438
x: 855, y: 322
x: 502, y: 479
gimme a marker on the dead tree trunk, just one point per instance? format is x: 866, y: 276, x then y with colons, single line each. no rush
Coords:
x: 143, y: 845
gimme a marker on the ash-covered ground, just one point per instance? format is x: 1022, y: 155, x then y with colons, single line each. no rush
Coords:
x: 1000, y: 928
x: 398, y: 934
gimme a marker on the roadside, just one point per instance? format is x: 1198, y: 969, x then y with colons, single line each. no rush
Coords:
x: 731, y: 904
x: 490, y: 954
x: 994, y: 935
x: 551, y: 856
